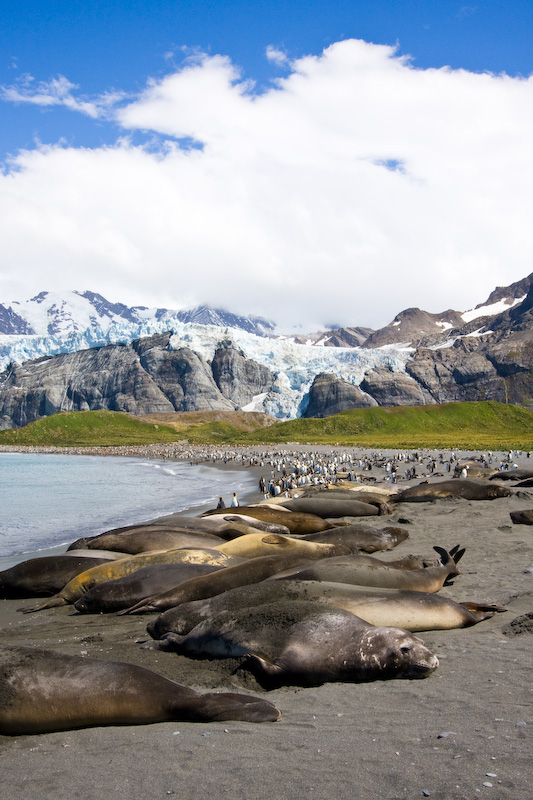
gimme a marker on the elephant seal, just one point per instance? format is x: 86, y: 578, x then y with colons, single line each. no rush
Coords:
x: 357, y: 569
x: 252, y: 571
x: 39, y: 577
x: 306, y: 644
x: 519, y: 474
x: 413, y: 611
x: 295, y: 522
x: 253, y: 545
x: 524, y: 517
x: 124, y: 592
x: 325, y: 505
x: 468, y: 488
x: 361, y: 538
x: 366, y: 495
x: 110, y: 570
x: 146, y: 541
x: 44, y: 691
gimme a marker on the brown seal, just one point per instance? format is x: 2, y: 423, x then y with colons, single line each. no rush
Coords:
x: 45, y: 691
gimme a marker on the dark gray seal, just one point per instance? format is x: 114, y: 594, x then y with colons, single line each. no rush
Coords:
x: 468, y: 488
x: 327, y: 505
x: 125, y: 592
x: 363, y: 538
x: 306, y: 644
x: 40, y: 577
x: 44, y: 691
x: 367, y: 571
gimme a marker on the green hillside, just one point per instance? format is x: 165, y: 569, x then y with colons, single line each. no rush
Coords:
x: 487, y: 425
x: 88, y: 429
x: 471, y: 426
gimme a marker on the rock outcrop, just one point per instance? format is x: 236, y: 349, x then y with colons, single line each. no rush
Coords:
x: 239, y: 378
x: 330, y: 395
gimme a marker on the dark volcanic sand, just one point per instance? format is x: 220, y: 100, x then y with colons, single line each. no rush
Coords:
x: 467, y: 726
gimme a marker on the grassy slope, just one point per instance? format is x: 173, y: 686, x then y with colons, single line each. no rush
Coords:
x: 89, y: 429
x: 483, y: 425
x: 466, y: 425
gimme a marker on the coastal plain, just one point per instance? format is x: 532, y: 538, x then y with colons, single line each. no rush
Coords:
x: 463, y: 732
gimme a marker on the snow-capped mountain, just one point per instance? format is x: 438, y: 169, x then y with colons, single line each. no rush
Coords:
x: 63, y: 322
x: 145, y: 360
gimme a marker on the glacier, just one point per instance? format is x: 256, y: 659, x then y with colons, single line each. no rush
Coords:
x: 295, y: 365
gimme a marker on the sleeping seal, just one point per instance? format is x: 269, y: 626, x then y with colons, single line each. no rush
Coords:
x: 44, y: 691
x: 306, y: 644
x: 469, y: 488
x: 413, y: 611
x: 368, y: 571
x: 110, y: 570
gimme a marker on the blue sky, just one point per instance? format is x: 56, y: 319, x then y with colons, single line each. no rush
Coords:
x: 98, y: 94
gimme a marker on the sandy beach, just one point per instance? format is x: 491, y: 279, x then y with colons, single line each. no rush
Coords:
x: 463, y: 732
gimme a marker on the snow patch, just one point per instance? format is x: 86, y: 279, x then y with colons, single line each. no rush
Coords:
x: 492, y: 309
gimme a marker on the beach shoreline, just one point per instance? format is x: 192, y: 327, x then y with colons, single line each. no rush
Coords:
x: 449, y: 736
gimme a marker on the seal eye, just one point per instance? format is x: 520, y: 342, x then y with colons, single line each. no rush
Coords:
x: 405, y: 650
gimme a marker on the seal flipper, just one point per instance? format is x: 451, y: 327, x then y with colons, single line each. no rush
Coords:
x: 56, y: 600
x: 268, y: 674
x: 481, y: 611
x: 169, y: 642
x: 216, y: 707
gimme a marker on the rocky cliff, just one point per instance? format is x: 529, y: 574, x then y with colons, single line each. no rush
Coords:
x: 484, y: 354
x: 145, y: 377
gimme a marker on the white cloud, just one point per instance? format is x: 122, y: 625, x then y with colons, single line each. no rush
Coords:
x: 277, y: 56
x: 58, y: 92
x: 357, y: 186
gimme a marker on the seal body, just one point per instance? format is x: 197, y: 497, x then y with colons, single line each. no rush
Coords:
x: 361, y: 537
x: 124, y: 592
x: 469, y: 488
x: 253, y: 545
x: 306, y: 644
x: 45, y: 691
x: 413, y: 611
x: 369, y: 571
x: 296, y: 522
x: 328, y: 504
x: 77, y: 587
x: 39, y: 577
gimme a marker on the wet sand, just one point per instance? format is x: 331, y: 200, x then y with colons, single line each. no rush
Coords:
x: 449, y: 736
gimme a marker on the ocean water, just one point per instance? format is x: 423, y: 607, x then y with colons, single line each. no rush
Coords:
x: 50, y: 500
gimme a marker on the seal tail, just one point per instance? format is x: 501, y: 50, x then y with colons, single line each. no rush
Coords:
x: 481, y: 611
x: 450, y: 560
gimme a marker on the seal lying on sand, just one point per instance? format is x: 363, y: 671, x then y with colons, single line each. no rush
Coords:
x: 361, y: 537
x: 125, y: 592
x: 39, y: 577
x: 368, y: 571
x: 150, y: 538
x: 110, y: 570
x: 469, y: 488
x: 254, y: 545
x: 296, y: 522
x: 413, y: 611
x: 327, y: 504
x: 306, y: 644
x: 44, y: 691
x: 252, y: 571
